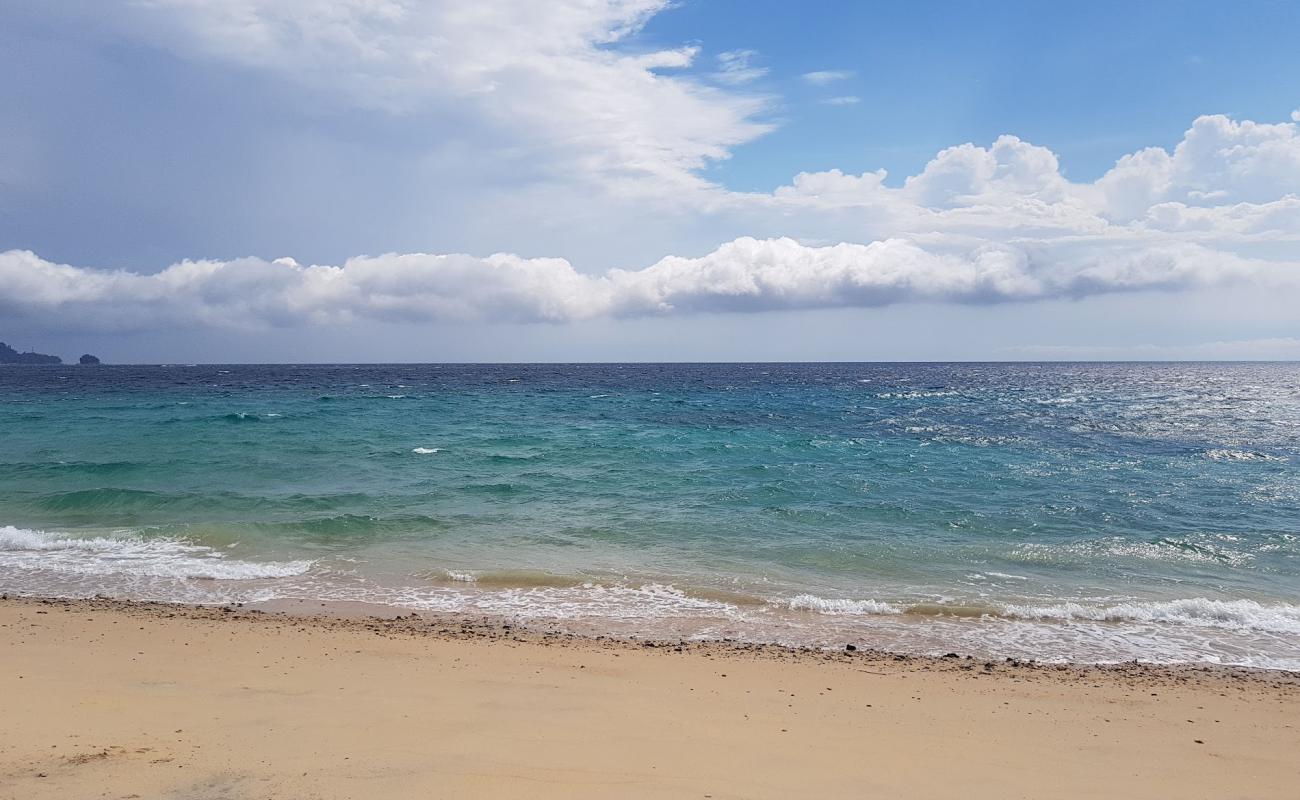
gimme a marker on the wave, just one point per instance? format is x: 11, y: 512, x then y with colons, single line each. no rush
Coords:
x: 512, y: 579
x: 109, y: 506
x: 1193, y: 549
x: 587, y: 601
x: 1005, y: 575
x: 595, y: 600
x: 109, y: 498
x: 510, y: 457
x: 355, y: 527
x: 424, y: 451
x: 810, y: 602
x: 1241, y: 455
x: 915, y: 395
x: 1186, y: 630
x: 25, y: 549
x: 1196, y: 611
x: 1238, y: 615
x: 61, y: 468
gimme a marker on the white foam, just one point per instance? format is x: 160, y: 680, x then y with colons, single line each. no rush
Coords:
x: 1006, y: 576
x: 1243, y: 632
x: 135, y: 556
x: 1240, y: 455
x: 916, y: 395
x: 424, y: 451
x: 811, y: 602
x: 587, y: 602
x: 1195, y: 611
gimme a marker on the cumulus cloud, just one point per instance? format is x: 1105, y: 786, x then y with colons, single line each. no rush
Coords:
x: 1227, y: 184
x: 1219, y: 161
x: 976, y: 225
x: 742, y: 275
x: 553, y: 88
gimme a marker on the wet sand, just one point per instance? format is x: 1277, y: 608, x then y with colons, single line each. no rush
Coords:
x: 103, y: 699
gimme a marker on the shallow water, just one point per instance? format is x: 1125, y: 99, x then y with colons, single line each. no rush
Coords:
x: 1091, y: 512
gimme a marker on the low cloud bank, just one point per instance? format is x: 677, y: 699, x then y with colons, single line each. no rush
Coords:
x: 743, y: 275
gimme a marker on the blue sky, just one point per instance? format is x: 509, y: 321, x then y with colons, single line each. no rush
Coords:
x: 309, y: 180
x: 1093, y: 81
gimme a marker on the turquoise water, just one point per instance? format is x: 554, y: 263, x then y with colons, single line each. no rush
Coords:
x: 1092, y: 512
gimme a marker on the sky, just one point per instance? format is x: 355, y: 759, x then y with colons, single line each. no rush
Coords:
x: 606, y: 180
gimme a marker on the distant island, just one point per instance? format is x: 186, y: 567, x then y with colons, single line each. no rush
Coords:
x: 88, y: 359
x: 8, y: 355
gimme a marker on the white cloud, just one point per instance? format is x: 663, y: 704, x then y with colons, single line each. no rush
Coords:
x: 1218, y: 161
x: 1008, y: 172
x: 1233, y: 186
x: 842, y: 100
x: 552, y: 89
x: 737, y: 66
x: 1278, y: 219
x: 548, y: 97
x: 825, y: 76
x: 547, y: 83
x: 742, y: 275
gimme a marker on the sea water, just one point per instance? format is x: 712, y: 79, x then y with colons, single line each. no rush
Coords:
x: 1086, y: 512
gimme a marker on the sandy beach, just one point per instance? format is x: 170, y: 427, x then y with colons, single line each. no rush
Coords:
x: 113, y: 700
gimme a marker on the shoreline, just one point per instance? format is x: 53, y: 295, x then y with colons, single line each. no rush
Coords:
x: 109, y: 698
x: 490, y: 627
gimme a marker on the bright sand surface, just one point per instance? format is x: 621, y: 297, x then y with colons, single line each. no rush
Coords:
x: 109, y: 700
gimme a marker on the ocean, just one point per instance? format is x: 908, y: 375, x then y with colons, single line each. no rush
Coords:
x: 1059, y: 512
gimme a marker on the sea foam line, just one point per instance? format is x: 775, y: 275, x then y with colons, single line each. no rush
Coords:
x: 1195, y: 611
x: 1241, y: 455
x: 25, y: 549
x: 811, y: 602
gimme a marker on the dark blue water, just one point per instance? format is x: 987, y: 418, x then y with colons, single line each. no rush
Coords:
x: 1081, y: 511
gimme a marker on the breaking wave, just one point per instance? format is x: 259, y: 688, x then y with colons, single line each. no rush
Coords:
x: 1238, y: 615
x: 25, y: 549
x: 1197, y: 611
x: 811, y: 602
x: 1240, y: 455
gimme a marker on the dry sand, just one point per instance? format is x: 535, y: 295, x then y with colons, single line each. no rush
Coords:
x: 111, y: 700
